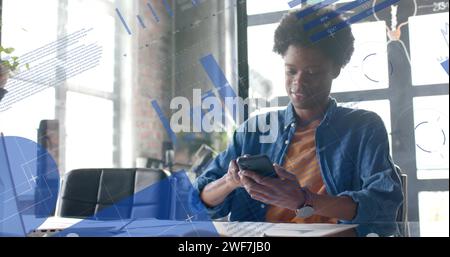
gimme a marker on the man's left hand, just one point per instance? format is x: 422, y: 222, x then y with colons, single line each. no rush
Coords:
x: 283, y: 191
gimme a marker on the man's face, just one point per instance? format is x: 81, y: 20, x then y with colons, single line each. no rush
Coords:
x: 309, y: 75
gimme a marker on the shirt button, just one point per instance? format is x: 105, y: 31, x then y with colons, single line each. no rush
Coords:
x: 286, y: 142
x: 263, y: 206
x: 293, y: 125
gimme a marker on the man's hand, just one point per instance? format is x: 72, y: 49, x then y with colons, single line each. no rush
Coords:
x: 215, y: 192
x: 232, y: 177
x: 284, y: 191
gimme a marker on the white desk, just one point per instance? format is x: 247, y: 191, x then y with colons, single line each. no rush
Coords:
x: 153, y: 227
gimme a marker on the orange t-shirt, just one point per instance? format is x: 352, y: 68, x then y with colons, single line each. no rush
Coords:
x: 301, y: 161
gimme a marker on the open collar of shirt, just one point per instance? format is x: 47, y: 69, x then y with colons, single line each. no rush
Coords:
x: 291, y: 116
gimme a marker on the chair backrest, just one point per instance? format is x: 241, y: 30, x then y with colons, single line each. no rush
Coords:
x: 133, y: 193
x: 402, y: 215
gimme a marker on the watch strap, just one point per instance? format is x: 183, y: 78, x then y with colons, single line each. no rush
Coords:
x: 307, y: 196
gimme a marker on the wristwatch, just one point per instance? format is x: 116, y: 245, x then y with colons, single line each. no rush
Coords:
x: 306, y: 209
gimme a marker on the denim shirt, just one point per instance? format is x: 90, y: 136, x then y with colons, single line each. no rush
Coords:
x: 352, y: 148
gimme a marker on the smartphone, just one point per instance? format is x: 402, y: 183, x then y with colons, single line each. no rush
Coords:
x: 261, y: 164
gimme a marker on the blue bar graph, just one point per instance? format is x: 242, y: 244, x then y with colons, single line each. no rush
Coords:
x: 141, y: 21
x: 444, y: 65
x: 223, y: 87
x: 294, y: 3
x: 338, y: 11
x: 168, y: 8
x: 165, y: 122
x: 123, y: 21
x: 219, y: 80
x: 308, y: 11
x: 331, y: 31
x: 217, y: 76
x: 153, y: 12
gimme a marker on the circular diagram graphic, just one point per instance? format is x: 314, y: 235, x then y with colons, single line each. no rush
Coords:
x: 432, y: 132
x: 369, y: 67
x: 29, y: 183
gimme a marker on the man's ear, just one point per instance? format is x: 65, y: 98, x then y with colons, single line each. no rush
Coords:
x: 336, y: 71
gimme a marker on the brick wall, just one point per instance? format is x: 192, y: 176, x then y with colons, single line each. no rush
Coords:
x: 167, y: 63
x: 153, y: 79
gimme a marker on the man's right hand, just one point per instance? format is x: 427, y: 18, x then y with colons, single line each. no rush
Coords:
x: 232, y: 176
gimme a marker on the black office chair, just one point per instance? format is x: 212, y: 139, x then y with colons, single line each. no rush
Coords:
x: 89, y: 192
x: 402, y: 215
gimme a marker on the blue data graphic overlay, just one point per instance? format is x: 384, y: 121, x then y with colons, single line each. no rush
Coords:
x: 220, y: 82
x: 305, y: 12
x: 124, y: 23
x: 164, y: 121
x: 341, y: 10
x: 29, y: 183
x: 170, y: 207
x: 217, y: 76
x: 141, y: 18
x: 168, y: 8
x: 295, y: 3
x: 141, y: 21
x: 328, y: 16
x: 155, y: 15
x: 196, y: 112
x: 444, y: 65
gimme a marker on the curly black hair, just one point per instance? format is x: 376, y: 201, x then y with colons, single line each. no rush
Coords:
x: 337, y: 46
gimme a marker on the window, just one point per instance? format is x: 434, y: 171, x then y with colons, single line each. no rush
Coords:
x: 434, y: 213
x: 90, y: 96
x: 22, y: 23
x: 98, y: 16
x: 266, y: 80
x: 429, y: 47
x: 431, y: 136
x: 264, y: 6
x: 368, y: 68
x: 23, y: 118
x: 83, y: 104
x: 89, y: 126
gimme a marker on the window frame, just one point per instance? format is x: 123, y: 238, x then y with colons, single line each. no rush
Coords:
x: 63, y: 90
